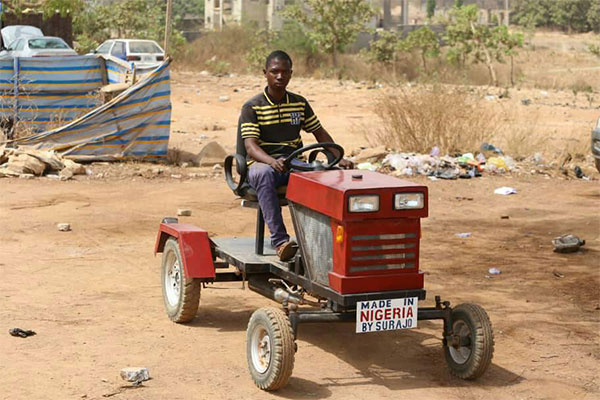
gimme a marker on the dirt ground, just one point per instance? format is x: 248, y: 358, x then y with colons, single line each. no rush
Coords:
x: 93, y: 295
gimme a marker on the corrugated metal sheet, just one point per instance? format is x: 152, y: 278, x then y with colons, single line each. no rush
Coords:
x: 135, y: 124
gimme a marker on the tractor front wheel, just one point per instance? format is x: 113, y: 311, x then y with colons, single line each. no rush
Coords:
x: 471, y: 354
x: 270, y: 348
x: 181, y: 295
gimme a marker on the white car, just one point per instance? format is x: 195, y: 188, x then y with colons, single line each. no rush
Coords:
x: 13, y: 32
x: 142, y: 53
x: 41, y: 46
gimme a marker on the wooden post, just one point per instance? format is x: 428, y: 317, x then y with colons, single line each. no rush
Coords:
x: 168, y: 27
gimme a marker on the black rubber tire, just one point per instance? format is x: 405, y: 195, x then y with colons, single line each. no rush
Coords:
x: 283, y: 348
x: 481, y: 347
x: 186, y: 307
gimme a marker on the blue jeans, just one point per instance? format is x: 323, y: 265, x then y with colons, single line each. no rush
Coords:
x: 265, y: 180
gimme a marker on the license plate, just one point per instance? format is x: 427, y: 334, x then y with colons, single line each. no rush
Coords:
x: 386, y: 315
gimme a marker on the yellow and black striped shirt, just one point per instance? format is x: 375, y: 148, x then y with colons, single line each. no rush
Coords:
x: 277, y: 125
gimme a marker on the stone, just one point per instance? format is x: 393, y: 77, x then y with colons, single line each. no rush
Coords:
x: 184, y: 212
x: 371, y: 154
x: 66, y: 174
x: 204, y: 73
x: 26, y: 164
x: 223, y: 99
x: 212, y: 153
x: 74, y: 167
x: 63, y: 227
x: 176, y: 176
x: 135, y: 374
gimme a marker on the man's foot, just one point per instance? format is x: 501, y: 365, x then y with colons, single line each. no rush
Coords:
x: 287, y: 251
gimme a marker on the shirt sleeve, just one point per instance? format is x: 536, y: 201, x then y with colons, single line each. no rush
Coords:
x: 249, y: 123
x: 311, y: 122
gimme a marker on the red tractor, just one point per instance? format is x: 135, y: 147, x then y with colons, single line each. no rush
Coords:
x: 358, y: 261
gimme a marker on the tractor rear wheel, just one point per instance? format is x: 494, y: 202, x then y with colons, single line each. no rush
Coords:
x: 181, y: 295
x: 472, y: 354
x: 270, y: 348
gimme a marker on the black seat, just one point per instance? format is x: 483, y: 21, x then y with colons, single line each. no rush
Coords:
x: 243, y: 190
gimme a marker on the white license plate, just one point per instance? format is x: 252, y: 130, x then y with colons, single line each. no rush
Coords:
x: 386, y: 315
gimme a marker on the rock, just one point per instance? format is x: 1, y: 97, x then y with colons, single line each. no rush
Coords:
x: 184, y: 212
x: 176, y: 176
x: 25, y: 164
x: 63, y: 227
x: 185, y: 165
x: 157, y: 171
x: 66, y: 174
x: 75, y: 168
x: 526, y: 102
x: 223, y: 99
x: 217, y: 167
x: 370, y: 154
x: 212, y: 153
x: 53, y: 161
x: 204, y: 73
x: 135, y: 374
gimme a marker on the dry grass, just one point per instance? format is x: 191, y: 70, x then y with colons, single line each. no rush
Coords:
x: 417, y: 121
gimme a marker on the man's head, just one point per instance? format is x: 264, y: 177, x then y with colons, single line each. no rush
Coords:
x: 278, y: 70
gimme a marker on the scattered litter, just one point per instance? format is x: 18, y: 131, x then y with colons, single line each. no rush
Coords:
x: 464, y: 235
x: 432, y: 178
x: 223, y: 99
x: 435, y: 152
x: 505, y: 190
x: 184, y: 212
x: 497, y: 163
x: 18, y: 332
x: 550, y: 356
x: 567, y: 243
x: 366, y: 166
x: 490, y: 147
x: 504, y: 217
x: 544, y: 93
x: 557, y: 274
x: 526, y: 102
x: 490, y: 97
x: 460, y: 198
x: 494, y: 271
x: 217, y: 167
x: 63, y: 227
x: 176, y: 176
x: 578, y: 172
x: 135, y: 374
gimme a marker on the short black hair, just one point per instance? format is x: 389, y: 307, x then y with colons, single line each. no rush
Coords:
x: 280, y: 55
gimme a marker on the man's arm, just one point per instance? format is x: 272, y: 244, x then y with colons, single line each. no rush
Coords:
x: 258, y: 154
x: 323, y: 136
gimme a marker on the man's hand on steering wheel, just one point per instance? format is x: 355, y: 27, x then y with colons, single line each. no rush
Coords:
x: 277, y: 165
x: 346, y: 164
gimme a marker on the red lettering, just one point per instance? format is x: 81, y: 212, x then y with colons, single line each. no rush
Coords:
x: 388, y: 313
x: 364, y: 316
x: 397, y: 313
x: 378, y: 314
x: 409, y: 313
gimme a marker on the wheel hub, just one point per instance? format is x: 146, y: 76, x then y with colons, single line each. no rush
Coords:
x: 173, y: 282
x: 261, y: 350
x: 460, y: 350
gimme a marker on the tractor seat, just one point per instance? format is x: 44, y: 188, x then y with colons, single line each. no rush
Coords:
x: 249, y: 194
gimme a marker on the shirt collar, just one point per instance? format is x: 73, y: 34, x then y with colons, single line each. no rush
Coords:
x: 272, y: 102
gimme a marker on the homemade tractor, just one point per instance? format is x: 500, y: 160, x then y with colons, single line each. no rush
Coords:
x: 358, y: 261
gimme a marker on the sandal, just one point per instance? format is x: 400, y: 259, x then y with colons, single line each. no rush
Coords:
x: 287, y: 251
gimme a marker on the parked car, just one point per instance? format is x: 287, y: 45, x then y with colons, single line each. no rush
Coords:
x: 41, y: 46
x: 596, y: 144
x: 142, y: 53
x: 13, y: 32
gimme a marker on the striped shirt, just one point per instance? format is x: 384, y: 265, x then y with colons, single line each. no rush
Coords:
x: 277, y: 125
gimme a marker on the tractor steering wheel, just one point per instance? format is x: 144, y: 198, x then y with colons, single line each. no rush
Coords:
x: 315, y: 165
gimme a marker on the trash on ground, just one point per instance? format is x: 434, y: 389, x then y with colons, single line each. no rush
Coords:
x: 463, y: 235
x: 63, y: 227
x: 18, y: 332
x: 135, y: 374
x: 494, y: 271
x: 526, y: 102
x: 578, y: 172
x: 567, y: 243
x: 557, y: 274
x: 505, y: 190
x: 367, y: 166
x: 504, y: 217
x: 184, y: 212
x: 490, y: 147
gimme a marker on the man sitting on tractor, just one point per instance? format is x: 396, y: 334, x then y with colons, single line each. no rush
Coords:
x: 270, y: 126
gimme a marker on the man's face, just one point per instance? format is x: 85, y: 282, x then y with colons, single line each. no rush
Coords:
x: 278, y: 73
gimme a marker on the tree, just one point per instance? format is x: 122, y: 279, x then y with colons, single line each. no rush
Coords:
x: 331, y: 24
x: 570, y: 14
x: 385, y: 49
x: 532, y: 13
x: 593, y: 17
x: 430, y: 8
x: 425, y: 41
x: 508, y: 43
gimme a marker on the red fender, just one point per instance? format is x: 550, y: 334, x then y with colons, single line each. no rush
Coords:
x: 195, y: 247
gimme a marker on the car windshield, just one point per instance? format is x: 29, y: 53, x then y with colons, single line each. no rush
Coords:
x: 144, y: 47
x: 47, y: 44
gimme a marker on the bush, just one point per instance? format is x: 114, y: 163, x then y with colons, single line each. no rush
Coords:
x: 420, y: 120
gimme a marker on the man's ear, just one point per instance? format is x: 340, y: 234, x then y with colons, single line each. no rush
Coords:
x: 264, y: 71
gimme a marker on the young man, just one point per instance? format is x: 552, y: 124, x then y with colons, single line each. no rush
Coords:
x: 270, y: 126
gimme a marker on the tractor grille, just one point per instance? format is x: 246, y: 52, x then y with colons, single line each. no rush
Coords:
x: 383, y: 252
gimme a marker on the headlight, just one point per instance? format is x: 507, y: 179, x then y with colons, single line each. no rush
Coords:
x: 368, y: 203
x: 408, y: 201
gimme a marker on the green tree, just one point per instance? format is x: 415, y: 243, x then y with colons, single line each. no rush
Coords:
x: 570, y: 14
x: 458, y: 3
x: 532, y: 13
x: 593, y: 16
x: 63, y: 7
x: 331, y: 24
x: 430, y: 6
x: 385, y: 49
x: 425, y: 42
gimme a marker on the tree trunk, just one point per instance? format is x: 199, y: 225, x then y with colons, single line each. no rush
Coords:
x: 334, y: 58
x: 424, y: 61
x: 488, y: 57
x: 512, y: 69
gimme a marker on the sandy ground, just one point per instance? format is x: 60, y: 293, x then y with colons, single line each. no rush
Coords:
x: 93, y: 294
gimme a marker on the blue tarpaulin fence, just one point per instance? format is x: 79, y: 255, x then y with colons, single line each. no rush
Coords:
x: 63, y: 93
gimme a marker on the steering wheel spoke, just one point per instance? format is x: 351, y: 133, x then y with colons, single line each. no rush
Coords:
x: 316, y: 148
